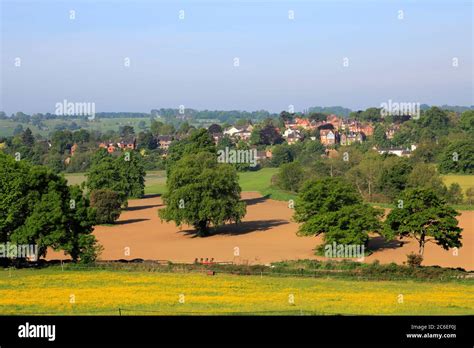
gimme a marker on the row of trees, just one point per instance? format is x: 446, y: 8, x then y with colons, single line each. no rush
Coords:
x: 332, y: 207
x: 37, y: 207
x: 55, y: 152
x: 378, y: 178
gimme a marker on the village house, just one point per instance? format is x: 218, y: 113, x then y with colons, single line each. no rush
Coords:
x: 110, y: 147
x: 352, y: 137
x: 367, y: 129
x: 127, y: 144
x: 293, y: 138
x: 240, y: 132
x: 292, y: 135
x: 398, y: 151
x: 130, y: 144
x: 391, y: 130
x: 302, y: 123
x: 355, y: 126
x: 164, y: 141
x: 328, y: 137
x: 335, y: 121
x: 263, y: 155
x: 217, y: 137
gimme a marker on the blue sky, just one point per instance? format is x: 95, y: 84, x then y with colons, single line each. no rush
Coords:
x: 190, y: 61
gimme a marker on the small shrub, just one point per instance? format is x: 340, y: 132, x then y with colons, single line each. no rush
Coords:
x: 90, y: 254
x: 414, y: 260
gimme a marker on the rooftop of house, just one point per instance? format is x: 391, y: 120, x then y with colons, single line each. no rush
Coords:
x: 325, y: 126
x: 294, y: 136
x: 165, y: 138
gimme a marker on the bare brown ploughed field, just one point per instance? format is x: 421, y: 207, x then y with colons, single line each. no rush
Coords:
x: 266, y: 234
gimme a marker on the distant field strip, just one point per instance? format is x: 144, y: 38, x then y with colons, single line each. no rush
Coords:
x: 155, y: 181
x: 260, y: 181
x: 465, y: 181
x: 52, y: 291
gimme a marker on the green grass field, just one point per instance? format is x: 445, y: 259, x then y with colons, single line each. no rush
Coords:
x: 260, y: 181
x: 257, y: 180
x: 101, y: 124
x: 52, y: 291
x: 465, y: 181
x: 155, y: 181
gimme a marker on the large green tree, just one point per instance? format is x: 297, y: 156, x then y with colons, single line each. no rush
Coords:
x: 123, y: 173
x: 467, y: 121
x: 426, y: 176
x: 281, y: 154
x: 458, y: 157
x: 104, y: 174
x: 132, y: 173
x: 394, y: 175
x: 333, y: 207
x: 37, y: 207
x: 365, y: 175
x: 202, y: 192
x: 425, y: 216
x: 290, y: 176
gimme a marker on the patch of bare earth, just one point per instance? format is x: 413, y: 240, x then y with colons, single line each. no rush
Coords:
x: 266, y: 234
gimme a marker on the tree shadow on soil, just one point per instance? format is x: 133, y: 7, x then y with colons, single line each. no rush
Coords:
x: 151, y: 195
x: 129, y: 221
x: 252, y: 201
x: 379, y: 243
x: 240, y: 228
x: 141, y: 207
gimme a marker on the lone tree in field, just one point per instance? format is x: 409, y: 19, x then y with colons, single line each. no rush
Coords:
x: 201, y: 193
x: 423, y: 215
x: 333, y: 207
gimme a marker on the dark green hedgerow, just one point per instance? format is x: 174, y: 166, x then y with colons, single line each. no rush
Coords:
x: 300, y: 268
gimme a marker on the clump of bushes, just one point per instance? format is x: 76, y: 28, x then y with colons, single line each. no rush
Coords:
x: 414, y: 260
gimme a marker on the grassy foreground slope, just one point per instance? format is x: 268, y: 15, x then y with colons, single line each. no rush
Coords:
x: 52, y: 291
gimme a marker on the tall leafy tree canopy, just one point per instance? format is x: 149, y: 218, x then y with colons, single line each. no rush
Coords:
x: 458, y: 157
x: 200, y: 140
x: 425, y: 216
x: 202, y: 193
x: 123, y: 173
x: 333, y: 207
x: 37, y: 207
